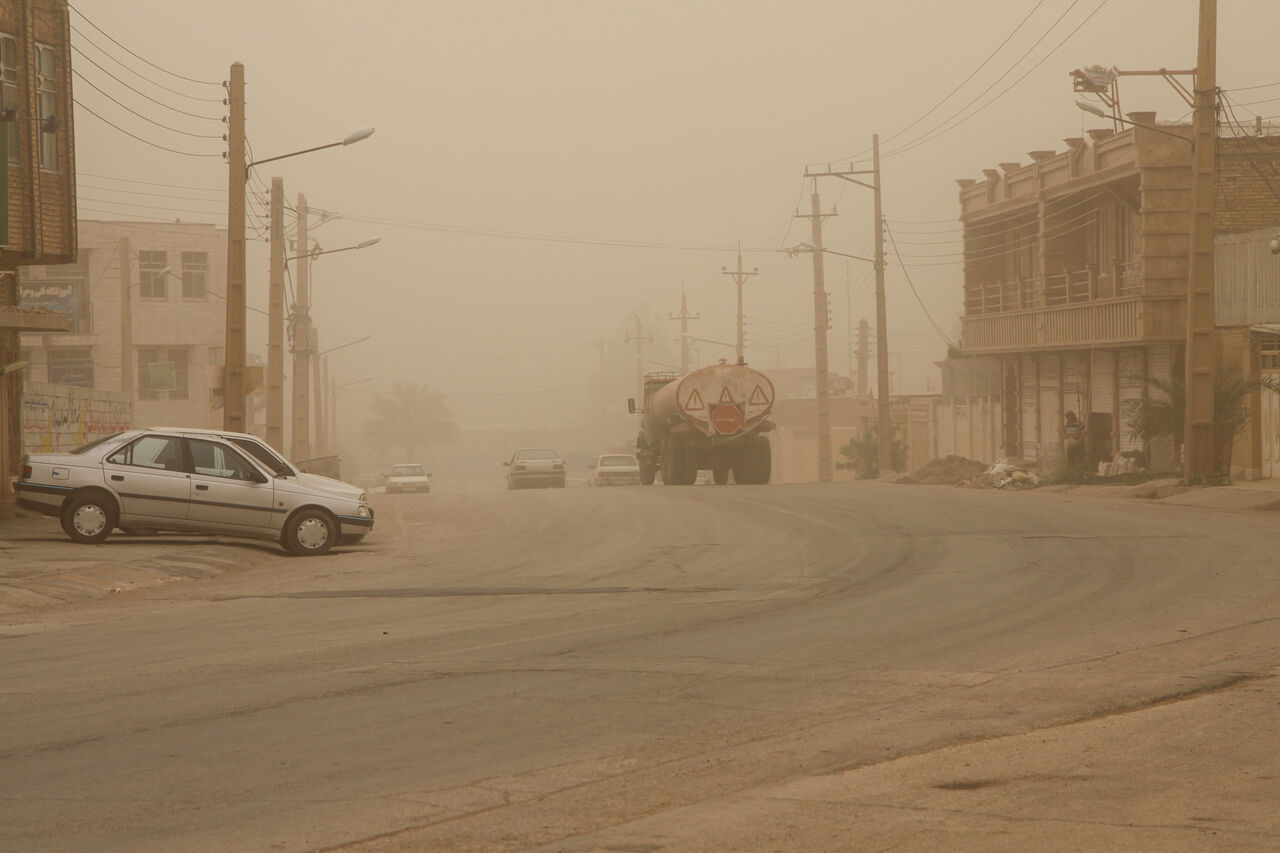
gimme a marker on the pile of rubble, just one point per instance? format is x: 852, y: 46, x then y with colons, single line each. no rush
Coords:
x: 959, y: 471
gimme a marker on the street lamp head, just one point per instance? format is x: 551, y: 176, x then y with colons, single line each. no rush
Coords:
x: 357, y: 135
x: 364, y: 244
x: 1092, y: 109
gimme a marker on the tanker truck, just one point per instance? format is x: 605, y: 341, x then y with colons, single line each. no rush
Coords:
x: 712, y: 418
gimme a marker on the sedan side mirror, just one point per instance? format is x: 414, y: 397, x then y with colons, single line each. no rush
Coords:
x: 631, y: 405
x: 506, y: 463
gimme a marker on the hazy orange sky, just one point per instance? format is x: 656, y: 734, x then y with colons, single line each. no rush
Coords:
x: 568, y: 164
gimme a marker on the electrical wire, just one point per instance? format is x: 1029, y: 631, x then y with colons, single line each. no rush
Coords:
x: 142, y: 58
x: 915, y: 292
x: 139, y: 92
x: 149, y: 183
x: 140, y: 115
x: 139, y: 138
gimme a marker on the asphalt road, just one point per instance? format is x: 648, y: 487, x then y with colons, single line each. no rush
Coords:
x: 865, y: 667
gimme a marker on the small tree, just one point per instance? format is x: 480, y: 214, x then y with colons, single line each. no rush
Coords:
x: 411, y: 416
x: 1163, y: 414
x: 862, y: 454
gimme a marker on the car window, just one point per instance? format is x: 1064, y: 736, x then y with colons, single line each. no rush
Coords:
x: 617, y: 461
x: 263, y: 454
x: 151, y: 451
x: 218, y: 460
x: 537, y: 453
x: 408, y: 471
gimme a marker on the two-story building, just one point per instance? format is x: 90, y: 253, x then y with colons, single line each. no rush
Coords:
x: 1075, y: 275
x: 37, y: 185
x: 146, y: 316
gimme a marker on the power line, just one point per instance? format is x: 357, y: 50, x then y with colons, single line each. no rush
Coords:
x: 139, y: 138
x: 142, y: 58
x: 140, y: 115
x: 140, y: 92
x: 150, y: 183
x: 912, y: 285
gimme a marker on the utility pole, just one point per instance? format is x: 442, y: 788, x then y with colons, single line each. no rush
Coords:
x: 848, y: 319
x: 640, y: 340
x: 317, y: 377
x: 882, y: 333
x: 275, y: 321
x: 1200, y: 450
x: 126, y: 318
x: 863, y: 358
x: 882, y: 339
x: 604, y: 407
x: 302, y: 342
x: 820, y: 323
x: 233, y: 385
x: 740, y: 278
x: 684, y: 319
x: 333, y: 408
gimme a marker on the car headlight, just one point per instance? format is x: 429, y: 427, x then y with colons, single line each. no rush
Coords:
x: 363, y: 512
x: 363, y: 497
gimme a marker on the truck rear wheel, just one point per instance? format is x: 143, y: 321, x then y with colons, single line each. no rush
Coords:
x: 648, y: 472
x: 720, y: 474
x: 679, y: 466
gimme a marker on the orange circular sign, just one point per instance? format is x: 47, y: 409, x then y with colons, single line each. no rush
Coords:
x: 726, y: 418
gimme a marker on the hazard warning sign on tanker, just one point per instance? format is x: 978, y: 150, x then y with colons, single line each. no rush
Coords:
x: 695, y: 402
x: 726, y: 418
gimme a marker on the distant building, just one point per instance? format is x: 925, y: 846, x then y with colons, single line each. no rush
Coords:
x: 146, y: 316
x: 37, y: 183
x: 1075, y: 274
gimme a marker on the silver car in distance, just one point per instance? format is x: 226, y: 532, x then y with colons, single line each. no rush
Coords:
x: 193, y: 480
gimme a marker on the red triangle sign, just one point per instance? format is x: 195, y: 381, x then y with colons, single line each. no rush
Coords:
x: 725, y: 396
x: 694, y: 402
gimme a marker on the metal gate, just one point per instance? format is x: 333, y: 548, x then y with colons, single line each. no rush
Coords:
x: 1104, y: 381
x: 1271, y: 432
x: 1028, y: 395
x: 1131, y: 388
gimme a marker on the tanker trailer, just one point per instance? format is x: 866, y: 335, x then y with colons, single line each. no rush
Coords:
x: 712, y: 418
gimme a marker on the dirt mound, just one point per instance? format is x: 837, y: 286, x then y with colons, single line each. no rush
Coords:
x: 948, y: 471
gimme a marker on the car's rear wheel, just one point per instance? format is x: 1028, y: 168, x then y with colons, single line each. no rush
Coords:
x: 89, y: 518
x: 309, y: 532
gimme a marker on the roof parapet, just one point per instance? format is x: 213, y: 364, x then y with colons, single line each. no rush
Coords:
x: 1009, y: 168
x: 1041, y: 155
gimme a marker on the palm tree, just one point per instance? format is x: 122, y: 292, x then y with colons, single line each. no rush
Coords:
x: 411, y: 416
x: 1163, y: 415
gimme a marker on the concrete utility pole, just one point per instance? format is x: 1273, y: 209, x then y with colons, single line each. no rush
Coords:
x: 882, y: 333
x: 233, y: 384
x: 863, y: 358
x: 826, y: 470
x: 332, y: 408
x: 275, y: 321
x: 848, y: 318
x: 640, y: 340
x: 302, y: 342
x: 684, y: 319
x: 126, y: 317
x: 740, y: 278
x: 317, y: 377
x: 1200, y: 447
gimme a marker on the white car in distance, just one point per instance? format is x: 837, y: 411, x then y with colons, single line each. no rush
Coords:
x: 408, y: 477
x: 614, y: 469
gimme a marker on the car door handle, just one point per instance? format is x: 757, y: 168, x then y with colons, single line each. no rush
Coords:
x: 119, y: 478
x: 201, y: 487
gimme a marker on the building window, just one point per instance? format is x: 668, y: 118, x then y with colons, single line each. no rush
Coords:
x: 163, y: 373
x: 195, y: 269
x: 152, y: 275
x: 9, y: 91
x: 71, y: 366
x: 47, y: 106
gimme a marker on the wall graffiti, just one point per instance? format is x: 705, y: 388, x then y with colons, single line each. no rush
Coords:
x: 56, y: 418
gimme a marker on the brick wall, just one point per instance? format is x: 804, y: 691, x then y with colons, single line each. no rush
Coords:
x: 1248, y: 183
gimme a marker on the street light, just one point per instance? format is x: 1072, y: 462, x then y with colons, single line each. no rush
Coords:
x: 233, y: 415
x: 363, y: 244
x: 1093, y: 109
x: 806, y: 246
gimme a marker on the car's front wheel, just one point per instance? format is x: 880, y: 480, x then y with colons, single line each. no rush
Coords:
x: 89, y: 518
x: 309, y: 532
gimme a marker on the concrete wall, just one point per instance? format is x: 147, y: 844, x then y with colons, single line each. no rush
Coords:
x: 59, y: 417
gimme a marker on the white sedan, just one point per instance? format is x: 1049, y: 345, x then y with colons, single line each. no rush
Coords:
x: 408, y: 477
x: 614, y: 469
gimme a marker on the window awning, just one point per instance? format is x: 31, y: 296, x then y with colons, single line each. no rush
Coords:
x: 1266, y: 328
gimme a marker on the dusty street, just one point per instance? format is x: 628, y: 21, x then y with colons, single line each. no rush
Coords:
x: 860, y: 667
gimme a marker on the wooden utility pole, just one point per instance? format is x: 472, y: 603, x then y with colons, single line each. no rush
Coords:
x: 1200, y: 448
x: 275, y: 321
x: 684, y: 319
x: 233, y: 384
x: 332, y: 408
x: 317, y: 377
x: 126, y: 317
x: 863, y: 358
x: 302, y: 342
x: 826, y: 470
x: 882, y: 333
x: 604, y: 385
x: 740, y: 278
x: 640, y: 340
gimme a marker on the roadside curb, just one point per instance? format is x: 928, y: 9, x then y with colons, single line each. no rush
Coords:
x: 1168, y: 491
x: 36, y: 580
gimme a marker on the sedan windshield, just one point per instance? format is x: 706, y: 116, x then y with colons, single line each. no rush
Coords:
x: 617, y: 462
x: 408, y: 471
x: 537, y: 453
x: 84, y: 448
x: 264, y: 455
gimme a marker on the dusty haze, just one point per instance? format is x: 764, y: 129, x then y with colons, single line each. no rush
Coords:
x: 554, y: 168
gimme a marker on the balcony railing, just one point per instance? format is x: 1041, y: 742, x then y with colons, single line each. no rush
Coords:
x: 1103, y: 321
